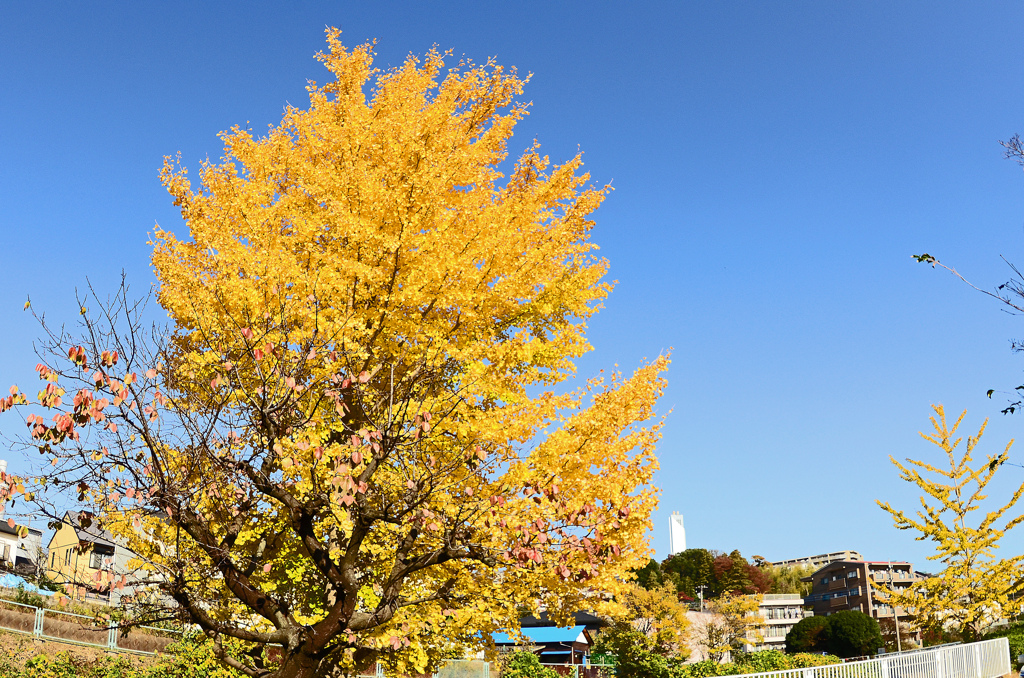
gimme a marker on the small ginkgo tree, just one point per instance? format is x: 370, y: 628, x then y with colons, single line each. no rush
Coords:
x: 347, y: 446
x: 975, y: 587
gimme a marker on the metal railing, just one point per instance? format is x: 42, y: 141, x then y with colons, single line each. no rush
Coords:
x: 985, y: 659
x: 67, y: 627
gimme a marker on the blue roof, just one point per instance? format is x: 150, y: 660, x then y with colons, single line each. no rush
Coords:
x: 546, y: 634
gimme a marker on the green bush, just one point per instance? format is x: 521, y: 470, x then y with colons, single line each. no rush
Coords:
x: 526, y: 665
x: 765, y: 660
x: 28, y: 597
x: 193, y: 658
x: 754, y: 662
x: 804, y: 660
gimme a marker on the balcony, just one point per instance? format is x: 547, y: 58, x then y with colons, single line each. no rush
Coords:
x: 840, y: 601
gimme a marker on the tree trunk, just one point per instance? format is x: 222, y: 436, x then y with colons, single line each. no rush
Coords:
x: 299, y: 665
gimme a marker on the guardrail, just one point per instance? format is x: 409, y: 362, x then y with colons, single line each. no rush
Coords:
x: 984, y: 659
x: 67, y: 627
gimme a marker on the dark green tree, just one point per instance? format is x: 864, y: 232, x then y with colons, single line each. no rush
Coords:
x: 649, y: 576
x: 810, y: 634
x: 689, y: 569
x: 851, y: 633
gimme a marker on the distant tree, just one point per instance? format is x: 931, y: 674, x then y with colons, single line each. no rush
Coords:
x: 690, y: 569
x: 731, y: 574
x: 888, y: 627
x: 810, y: 634
x: 658, y: 614
x: 649, y: 576
x: 851, y: 633
x: 976, y: 587
x: 735, y: 624
x: 788, y: 579
x: 632, y: 652
x: 760, y: 579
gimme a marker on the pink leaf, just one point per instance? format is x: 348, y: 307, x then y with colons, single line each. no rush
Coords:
x: 247, y: 333
x: 266, y: 568
x: 10, y: 523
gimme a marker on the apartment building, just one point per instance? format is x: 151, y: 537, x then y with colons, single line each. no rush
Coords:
x: 820, y: 559
x: 781, y: 612
x: 846, y: 585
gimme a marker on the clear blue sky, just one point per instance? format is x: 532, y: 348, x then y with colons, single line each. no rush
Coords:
x: 775, y: 164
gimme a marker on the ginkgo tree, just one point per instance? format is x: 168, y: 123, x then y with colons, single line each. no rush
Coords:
x: 976, y: 587
x: 348, y: 444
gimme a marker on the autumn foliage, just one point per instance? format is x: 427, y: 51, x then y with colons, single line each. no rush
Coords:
x: 976, y: 587
x: 348, y: 445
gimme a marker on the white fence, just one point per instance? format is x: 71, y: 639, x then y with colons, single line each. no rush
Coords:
x: 986, y: 659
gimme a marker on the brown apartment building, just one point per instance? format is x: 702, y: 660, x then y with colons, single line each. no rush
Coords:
x: 845, y: 585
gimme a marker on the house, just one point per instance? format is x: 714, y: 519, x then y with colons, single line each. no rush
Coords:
x: 17, y: 552
x: 83, y: 557
x: 551, y: 644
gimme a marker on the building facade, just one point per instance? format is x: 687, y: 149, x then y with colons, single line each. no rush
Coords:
x: 819, y: 560
x: 80, y: 553
x: 846, y: 585
x: 20, y: 548
x: 781, y: 612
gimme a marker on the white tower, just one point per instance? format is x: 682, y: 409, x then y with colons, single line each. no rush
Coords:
x: 676, y: 534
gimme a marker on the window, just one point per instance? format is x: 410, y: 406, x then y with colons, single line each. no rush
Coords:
x: 67, y: 556
x: 53, y: 559
x: 852, y: 575
x: 95, y: 560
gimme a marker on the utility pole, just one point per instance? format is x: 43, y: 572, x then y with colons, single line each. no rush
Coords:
x: 700, y: 594
x: 895, y: 614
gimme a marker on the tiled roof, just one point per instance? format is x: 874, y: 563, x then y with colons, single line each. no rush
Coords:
x: 92, y: 533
